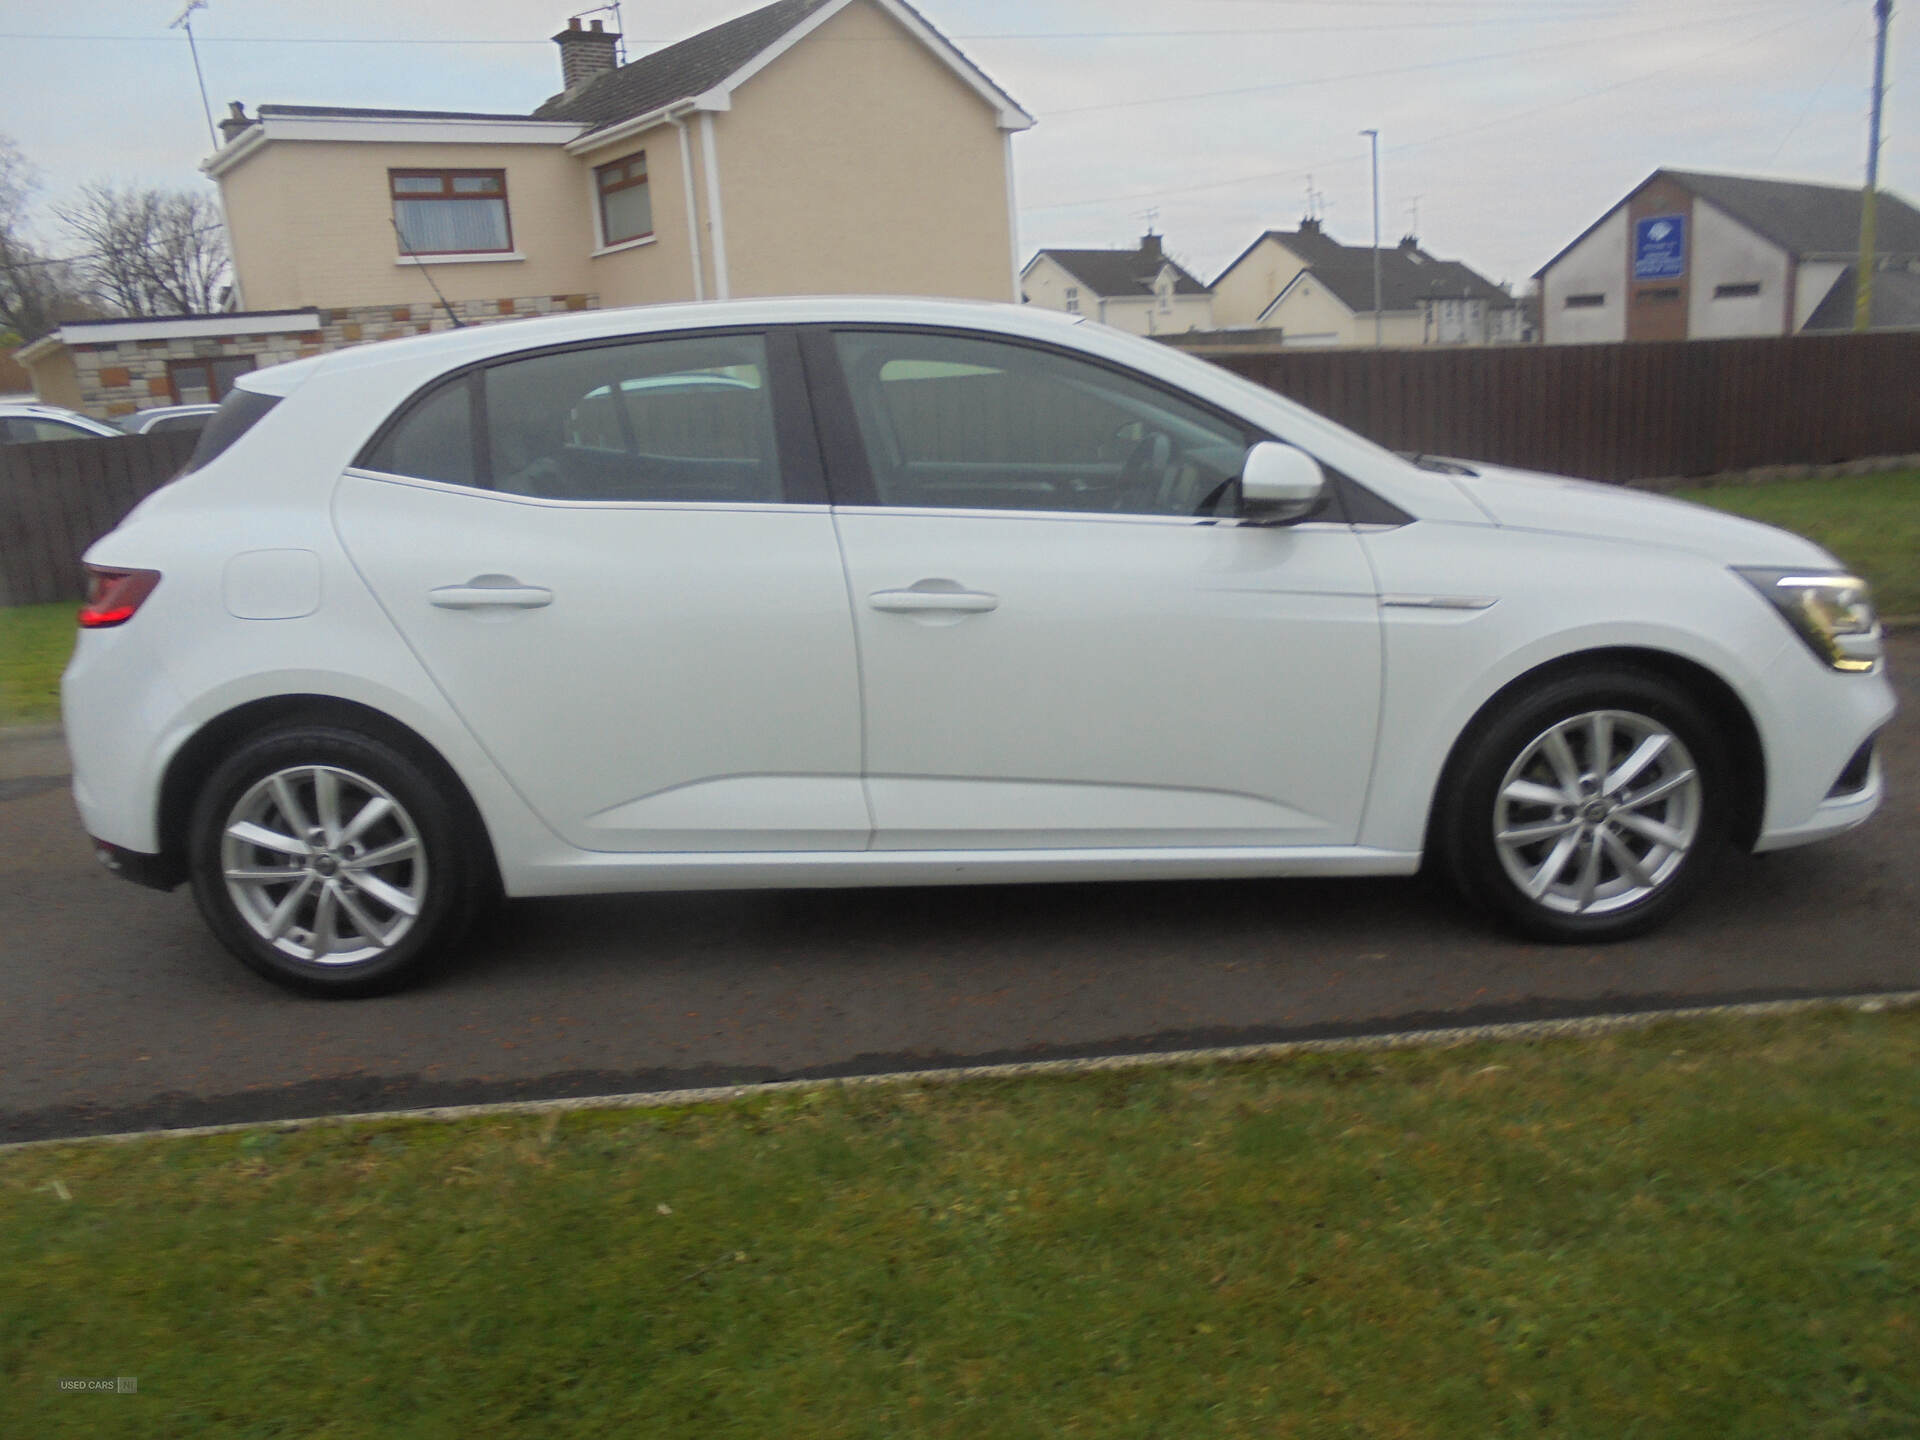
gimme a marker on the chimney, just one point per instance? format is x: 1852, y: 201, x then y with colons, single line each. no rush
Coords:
x: 1409, y: 243
x: 235, y: 122
x: 1150, y: 246
x: 1309, y: 226
x: 585, y: 54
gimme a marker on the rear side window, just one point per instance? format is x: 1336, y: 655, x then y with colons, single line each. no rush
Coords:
x: 238, y: 413
x: 681, y: 419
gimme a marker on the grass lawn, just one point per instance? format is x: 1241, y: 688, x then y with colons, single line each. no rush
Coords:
x: 1872, y: 522
x: 35, y: 642
x: 1704, y: 1228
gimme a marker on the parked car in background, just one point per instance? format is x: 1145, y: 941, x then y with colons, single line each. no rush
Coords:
x: 829, y: 592
x: 167, y: 419
x: 23, y: 423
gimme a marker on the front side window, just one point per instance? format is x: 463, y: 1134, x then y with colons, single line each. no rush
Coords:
x: 205, y: 382
x: 956, y: 422
x: 626, y: 205
x: 450, y: 212
x: 686, y: 420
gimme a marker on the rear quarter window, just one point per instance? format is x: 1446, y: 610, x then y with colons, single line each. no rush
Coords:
x: 238, y: 413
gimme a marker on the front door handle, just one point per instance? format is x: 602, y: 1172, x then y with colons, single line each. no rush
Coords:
x: 491, y: 592
x: 918, y: 601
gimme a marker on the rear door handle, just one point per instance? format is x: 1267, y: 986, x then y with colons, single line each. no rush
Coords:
x: 909, y: 602
x: 498, y: 592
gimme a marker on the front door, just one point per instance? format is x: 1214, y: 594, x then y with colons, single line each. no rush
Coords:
x: 1067, y: 640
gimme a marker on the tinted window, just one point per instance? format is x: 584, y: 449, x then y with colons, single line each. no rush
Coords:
x: 434, y: 439
x: 238, y: 413
x: 23, y: 429
x: 177, y: 424
x: 687, y: 419
x: 981, y: 424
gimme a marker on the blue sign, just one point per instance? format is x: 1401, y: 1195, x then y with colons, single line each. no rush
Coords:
x: 1660, y: 247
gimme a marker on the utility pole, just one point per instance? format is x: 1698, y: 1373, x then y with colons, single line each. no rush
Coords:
x: 184, y: 21
x: 1374, y: 137
x: 1863, y: 272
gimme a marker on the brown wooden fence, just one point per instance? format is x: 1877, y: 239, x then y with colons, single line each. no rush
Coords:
x: 1606, y: 412
x: 1620, y: 412
x: 58, y: 496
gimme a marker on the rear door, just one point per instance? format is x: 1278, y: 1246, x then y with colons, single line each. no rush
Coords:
x: 616, y: 563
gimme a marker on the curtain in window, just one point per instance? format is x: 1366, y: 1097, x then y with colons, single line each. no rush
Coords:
x: 427, y: 226
x: 628, y: 213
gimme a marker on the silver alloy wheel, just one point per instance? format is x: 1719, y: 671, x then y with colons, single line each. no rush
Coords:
x: 1598, y: 812
x: 324, y: 865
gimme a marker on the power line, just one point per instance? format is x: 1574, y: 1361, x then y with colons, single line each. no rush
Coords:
x: 1532, y: 14
x: 1500, y: 121
x: 1583, y: 41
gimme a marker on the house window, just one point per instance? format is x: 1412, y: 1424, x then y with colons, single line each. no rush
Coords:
x: 1658, y: 295
x: 1073, y: 300
x: 1585, y: 302
x: 205, y: 382
x: 451, y: 212
x: 626, y: 207
x: 1736, y: 292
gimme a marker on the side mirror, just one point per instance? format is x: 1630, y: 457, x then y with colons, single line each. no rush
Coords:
x: 1279, y: 484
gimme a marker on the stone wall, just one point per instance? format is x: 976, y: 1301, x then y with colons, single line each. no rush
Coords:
x: 127, y: 375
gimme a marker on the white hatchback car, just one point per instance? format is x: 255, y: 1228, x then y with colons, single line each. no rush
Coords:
x: 825, y: 592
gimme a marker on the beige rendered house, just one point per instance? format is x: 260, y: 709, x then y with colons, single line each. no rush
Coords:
x: 1316, y: 291
x: 809, y: 146
x: 1141, y: 290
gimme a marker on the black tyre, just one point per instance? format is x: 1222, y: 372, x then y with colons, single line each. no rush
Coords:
x: 1590, y: 808
x: 332, y: 863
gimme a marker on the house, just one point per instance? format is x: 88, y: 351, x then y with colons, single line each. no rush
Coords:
x: 1316, y: 291
x: 807, y: 146
x: 1141, y: 290
x: 1689, y: 255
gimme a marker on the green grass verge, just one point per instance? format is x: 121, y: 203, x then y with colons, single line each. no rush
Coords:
x: 1702, y: 1228
x: 1872, y: 522
x: 35, y: 643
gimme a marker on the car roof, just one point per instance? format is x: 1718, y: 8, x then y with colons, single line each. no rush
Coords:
x: 480, y: 342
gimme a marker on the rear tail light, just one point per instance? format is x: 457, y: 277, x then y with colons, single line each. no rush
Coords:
x: 113, y: 595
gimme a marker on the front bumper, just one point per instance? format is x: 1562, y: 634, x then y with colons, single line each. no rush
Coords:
x: 156, y: 872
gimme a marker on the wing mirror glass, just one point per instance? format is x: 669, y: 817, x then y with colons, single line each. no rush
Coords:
x: 1279, y: 484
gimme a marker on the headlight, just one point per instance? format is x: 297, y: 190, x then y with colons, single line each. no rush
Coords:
x: 1832, y: 613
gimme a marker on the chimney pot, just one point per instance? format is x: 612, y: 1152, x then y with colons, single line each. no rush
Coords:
x: 585, y: 54
x: 234, y: 122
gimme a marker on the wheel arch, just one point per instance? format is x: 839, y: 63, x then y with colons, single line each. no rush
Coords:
x: 1710, y: 691
x: 196, y: 760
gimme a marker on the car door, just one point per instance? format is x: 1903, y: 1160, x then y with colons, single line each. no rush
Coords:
x: 1068, y: 639
x: 616, y: 562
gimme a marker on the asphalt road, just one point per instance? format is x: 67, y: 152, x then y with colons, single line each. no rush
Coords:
x: 119, y: 1012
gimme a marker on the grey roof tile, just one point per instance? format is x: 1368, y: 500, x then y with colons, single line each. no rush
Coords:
x: 1118, y: 274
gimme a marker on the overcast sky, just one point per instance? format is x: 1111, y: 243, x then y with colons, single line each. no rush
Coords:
x: 1510, y: 124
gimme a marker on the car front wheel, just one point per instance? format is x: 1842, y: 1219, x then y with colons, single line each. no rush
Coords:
x: 330, y: 862
x: 1589, y: 810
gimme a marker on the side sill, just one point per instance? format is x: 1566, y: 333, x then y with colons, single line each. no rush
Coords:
x: 588, y: 872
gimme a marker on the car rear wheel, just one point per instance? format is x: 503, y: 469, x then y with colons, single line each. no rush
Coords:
x: 331, y: 863
x: 1590, y: 809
